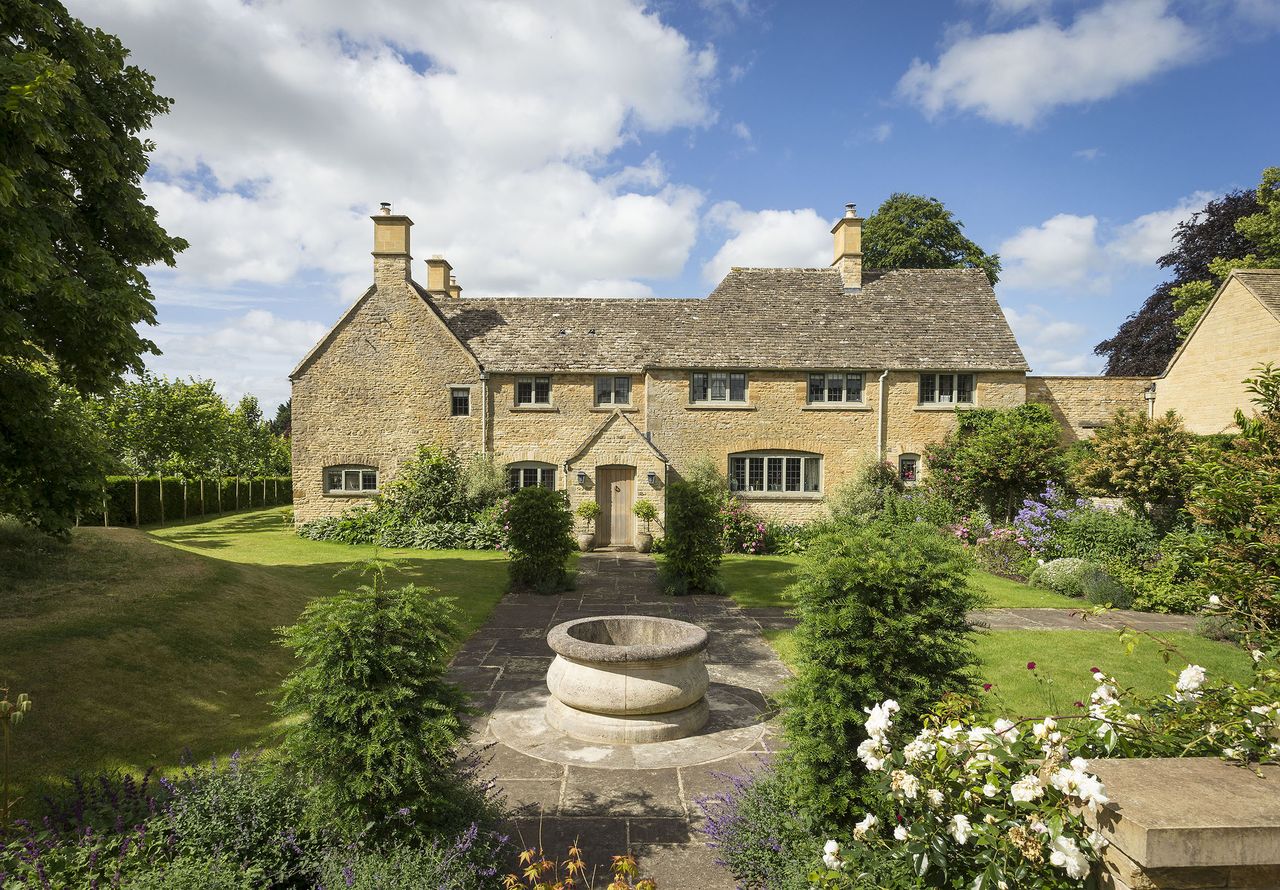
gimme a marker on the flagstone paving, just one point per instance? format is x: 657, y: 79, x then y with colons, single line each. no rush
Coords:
x: 614, y: 798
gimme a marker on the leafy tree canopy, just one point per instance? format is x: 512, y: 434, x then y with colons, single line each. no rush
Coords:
x: 916, y: 232
x: 76, y: 236
x: 1148, y: 338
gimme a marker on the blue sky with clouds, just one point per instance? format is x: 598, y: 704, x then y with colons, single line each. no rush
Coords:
x: 607, y: 147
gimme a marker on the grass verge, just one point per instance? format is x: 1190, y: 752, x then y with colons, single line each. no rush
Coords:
x: 136, y: 645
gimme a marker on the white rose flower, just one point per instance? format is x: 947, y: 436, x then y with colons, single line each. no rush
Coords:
x: 1189, y: 682
x: 832, y: 847
x: 1215, y: 600
x: 1041, y: 730
x: 1257, y: 655
x: 869, y: 821
x: 960, y: 828
x: 900, y: 833
x: 916, y: 750
x: 989, y: 790
x: 832, y: 861
x: 1027, y: 789
x: 1079, y: 764
x: 935, y: 798
x: 1096, y: 841
x: 1068, y: 857
x: 1006, y: 730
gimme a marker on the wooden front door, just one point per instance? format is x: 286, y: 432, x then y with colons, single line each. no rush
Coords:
x: 614, y: 487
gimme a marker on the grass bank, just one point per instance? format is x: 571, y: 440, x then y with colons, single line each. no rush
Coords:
x: 136, y: 645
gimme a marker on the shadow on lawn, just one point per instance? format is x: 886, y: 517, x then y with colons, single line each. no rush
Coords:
x: 209, y: 533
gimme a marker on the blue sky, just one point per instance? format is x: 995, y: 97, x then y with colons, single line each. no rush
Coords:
x: 605, y: 147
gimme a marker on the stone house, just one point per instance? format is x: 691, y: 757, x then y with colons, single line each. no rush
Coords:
x: 789, y: 380
x: 1239, y: 330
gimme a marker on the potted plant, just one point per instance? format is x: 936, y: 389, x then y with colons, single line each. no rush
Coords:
x: 646, y: 512
x: 588, y: 512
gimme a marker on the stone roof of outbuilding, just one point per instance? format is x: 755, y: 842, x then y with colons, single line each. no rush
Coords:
x: 755, y: 318
x: 1264, y: 284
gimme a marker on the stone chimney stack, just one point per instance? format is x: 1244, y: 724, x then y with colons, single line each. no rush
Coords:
x: 390, y: 245
x: 439, y: 272
x: 848, y: 261
x: 455, y: 289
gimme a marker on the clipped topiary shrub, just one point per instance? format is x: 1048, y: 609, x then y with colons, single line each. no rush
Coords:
x: 883, y: 614
x: 693, y: 541
x: 540, y: 530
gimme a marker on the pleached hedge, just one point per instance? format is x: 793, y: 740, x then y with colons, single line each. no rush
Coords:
x: 130, y: 501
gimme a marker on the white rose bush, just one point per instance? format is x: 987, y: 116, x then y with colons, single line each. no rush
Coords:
x: 991, y: 807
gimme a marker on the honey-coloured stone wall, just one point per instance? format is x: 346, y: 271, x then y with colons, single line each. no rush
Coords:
x: 1082, y: 404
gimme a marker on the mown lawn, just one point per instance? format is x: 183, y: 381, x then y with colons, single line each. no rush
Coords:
x: 136, y: 645
x: 1063, y: 659
x: 755, y: 581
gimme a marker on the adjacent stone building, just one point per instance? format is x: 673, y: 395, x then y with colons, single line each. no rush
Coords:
x: 788, y: 380
x: 1239, y: 330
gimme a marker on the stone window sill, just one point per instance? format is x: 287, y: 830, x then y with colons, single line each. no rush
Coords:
x: 351, y: 494
x: 965, y: 407
x: 778, y: 496
x: 609, y: 409
x: 534, y: 409
x: 853, y: 407
x: 727, y: 406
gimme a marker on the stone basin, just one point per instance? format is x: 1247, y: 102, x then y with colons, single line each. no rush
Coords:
x: 627, y: 679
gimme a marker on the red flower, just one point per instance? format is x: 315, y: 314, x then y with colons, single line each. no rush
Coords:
x: 986, y: 687
x: 1031, y: 665
x: 1095, y: 670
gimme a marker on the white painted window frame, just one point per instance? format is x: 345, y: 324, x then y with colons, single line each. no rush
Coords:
x: 761, y: 465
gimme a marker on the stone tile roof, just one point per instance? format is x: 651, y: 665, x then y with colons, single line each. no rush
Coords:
x: 755, y: 318
x: 1265, y: 285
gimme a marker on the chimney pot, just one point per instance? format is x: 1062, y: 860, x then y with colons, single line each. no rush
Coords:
x: 385, y: 208
x: 850, y: 211
x: 439, y: 274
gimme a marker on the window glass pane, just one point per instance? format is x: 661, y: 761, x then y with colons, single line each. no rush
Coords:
x: 854, y: 391
x: 945, y: 388
x: 548, y: 478
x: 793, y: 474
x: 928, y: 388
x: 604, y: 390
x: 738, y: 387
x: 350, y: 480
x: 775, y: 474
x: 812, y: 473
x: 835, y: 387
x: 513, y: 478
x: 719, y: 386
x: 542, y: 390
x: 755, y: 476
x: 369, y: 480
x: 530, y: 477
x: 622, y: 390
x: 334, y: 480
x: 737, y: 473
x: 817, y: 388
x: 461, y: 399
x: 524, y: 391
x: 964, y: 388
x: 699, y: 389
x: 907, y: 465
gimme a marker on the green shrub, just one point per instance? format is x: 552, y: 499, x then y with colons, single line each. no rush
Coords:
x: 862, y: 498
x: 428, y: 488
x: 646, y: 512
x: 1083, y: 578
x: 1104, y: 535
x: 693, y: 539
x: 1219, y: 628
x: 1143, y: 460
x: 484, y: 483
x: 787, y: 538
x: 469, y: 862
x: 883, y: 614
x: 1002, y: 552
x: 1101, y: 589
x: 919, y: 505
x: 358, y: 525
x: 249, y: 811
x: 369, y: 717
x: 1164, y: 582
x: 540, y: 530
x: 741, y: 530
x: 202, y: 872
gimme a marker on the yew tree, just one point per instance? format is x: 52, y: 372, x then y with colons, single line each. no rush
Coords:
x: 76, y: 235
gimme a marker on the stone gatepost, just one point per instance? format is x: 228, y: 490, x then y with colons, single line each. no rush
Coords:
x: 1195, y: 823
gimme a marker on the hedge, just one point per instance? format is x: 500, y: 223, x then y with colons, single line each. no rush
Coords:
x: 130, y: 501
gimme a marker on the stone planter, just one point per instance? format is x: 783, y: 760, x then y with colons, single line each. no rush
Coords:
x: 644, y: 542
x: 627, y: 679
x: 586, y: 541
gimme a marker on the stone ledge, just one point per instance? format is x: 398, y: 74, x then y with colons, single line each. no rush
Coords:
x: 854, y: 407
x: 725, y: 407
x: 534, y: 409
x: 1189, y: 813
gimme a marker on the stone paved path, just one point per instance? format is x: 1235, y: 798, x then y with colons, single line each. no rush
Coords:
x: 651, y: 812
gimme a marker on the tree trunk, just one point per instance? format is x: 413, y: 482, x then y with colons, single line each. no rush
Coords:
x: 221, y: 480
x: 264, y: 491
x: 184, y: 499
x: 162, y: 498
x: 137, y: 501
x: 105, y: 523
x: 237, y: 492
x: 202, y: 509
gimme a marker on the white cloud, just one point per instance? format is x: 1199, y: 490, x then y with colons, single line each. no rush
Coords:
x: 766, y: 238
x: 1088, y: 154
x: 243, y: 355
x: 1070, y: 252
x: 1017, y: 76
x: 742, y: 131
x: 1052, y: 346
x: 881, y: 132
x: 491, y: 123
x: 1150, y: 236
x: 1061, y: 252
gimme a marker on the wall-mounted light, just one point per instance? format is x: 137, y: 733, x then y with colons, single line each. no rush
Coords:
x: 582, y: 478
x: 653, y: 479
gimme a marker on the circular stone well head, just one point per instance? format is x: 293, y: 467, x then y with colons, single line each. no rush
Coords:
x: 611, y: 639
